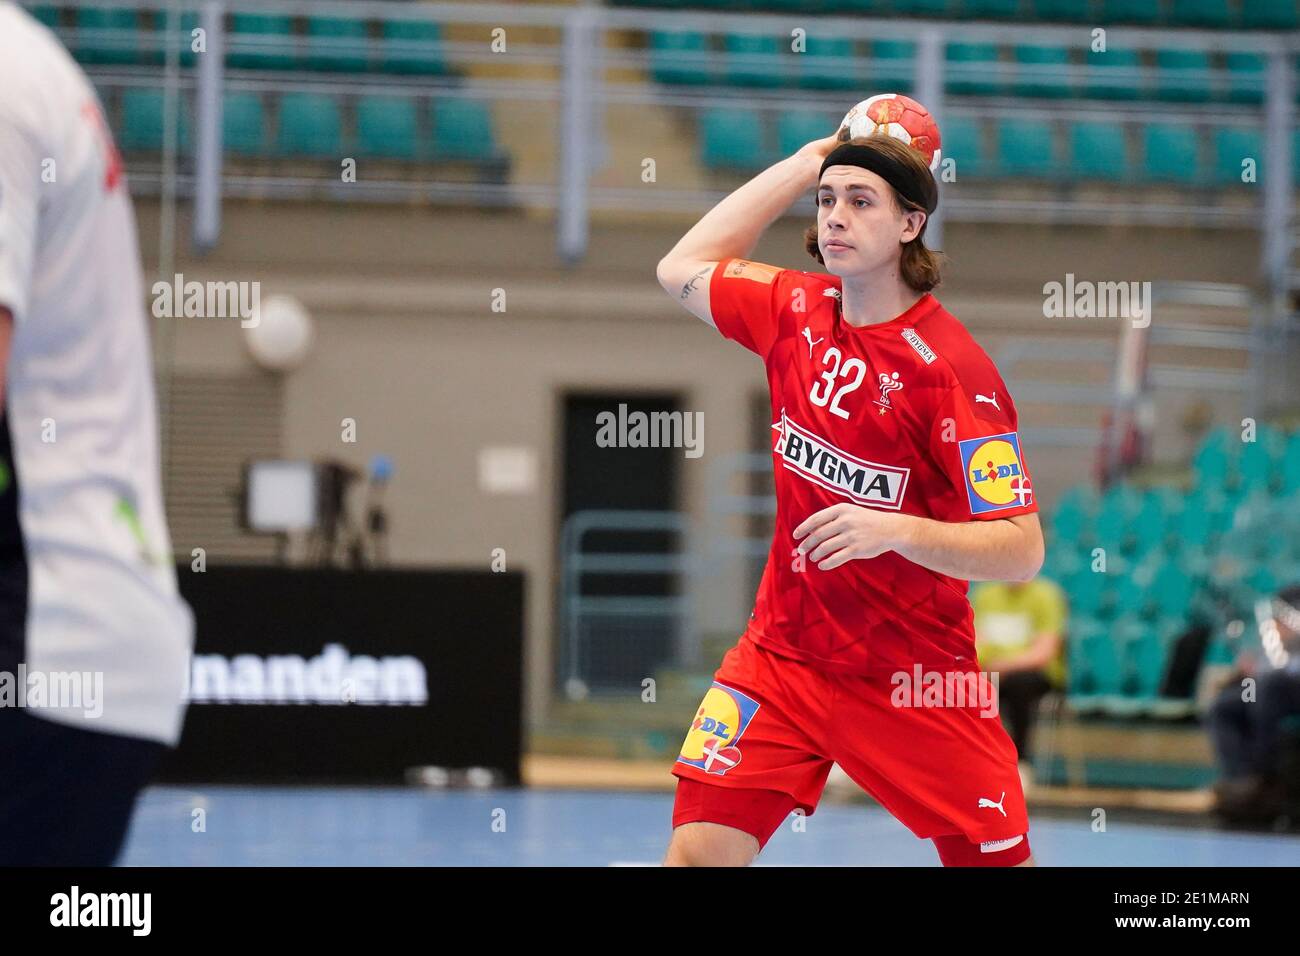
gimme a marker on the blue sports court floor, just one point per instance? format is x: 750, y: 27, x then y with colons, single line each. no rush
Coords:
x: 280, y: 826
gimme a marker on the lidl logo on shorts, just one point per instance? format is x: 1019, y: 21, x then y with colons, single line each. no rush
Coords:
x: 995, y: 476
x: 722, y: 718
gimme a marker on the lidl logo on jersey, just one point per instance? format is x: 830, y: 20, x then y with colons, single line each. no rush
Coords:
x: 861, y: 481
x: 719, y: 724
x: 995, y: 474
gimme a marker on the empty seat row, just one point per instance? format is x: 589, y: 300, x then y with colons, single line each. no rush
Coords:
x: 256, y: 41
x: 1214, y: 14
x: 313, y: 125
x: 976, y: 69
x: 1155, y: 152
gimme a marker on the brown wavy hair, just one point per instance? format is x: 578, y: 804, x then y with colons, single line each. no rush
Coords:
x: 920, y: 267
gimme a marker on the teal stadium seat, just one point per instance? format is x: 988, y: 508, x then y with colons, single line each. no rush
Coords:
x: 1183, y: 76
x: 243, y: 124
x: 1172, y: 588
x: 1113, y: 75
x: 1263, y: 582
x: 184, y: 42
x: 1220, y: 651
x: 972, y: 69
x: 1130, y: 11
x: 1129, y: 594
x: 732, y: 139
x: 413, y: 47
x: 795, y: 128
x: 1025, y: 148
x: 1259, y: 462
x: 142, y: 121
x: 262, y: 42
x: 1214, y: 464
x: 1269, y: 14
x: 1215, y: 14
x: 311, y: 125
x: 148, y: 47
x: 1291, y: 466
x: 1169, y: 627
x: 992, y: 9
x: 1072, y: 519
x: 1171, y: 153
x: 1146, y: 661
x: 893, y: 65
x: 1150, y: 520
x: 799, y: 6
x: 1097, y: 674
x: 934, y: 8
x: 678, y: 57
x: 1087, y: 591
x: 1245, y: 73
x: 1240, y: 547
x: 752, y: 60
x: 337, y: 44
x: 107, y: 36
x: 462, y: 131
x: 387, y: 127
x: 1202, y: 520
x: 1062, y: 560
x: 48, y: 15
x: 1043, y: 71
x: 1112, y: 526
x: 1099, y: 151
x: 829, y: 63
x: 1076, y: 10
x: 1126, y: 635
x: 1233, y: 145
x: 962, y: 140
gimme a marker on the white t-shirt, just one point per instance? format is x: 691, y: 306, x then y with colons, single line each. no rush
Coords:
x: 79, y: 405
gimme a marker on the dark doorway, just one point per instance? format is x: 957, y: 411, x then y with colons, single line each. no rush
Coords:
x: 626, y: 633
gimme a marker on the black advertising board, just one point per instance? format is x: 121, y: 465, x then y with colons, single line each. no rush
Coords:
x: 332, y: 676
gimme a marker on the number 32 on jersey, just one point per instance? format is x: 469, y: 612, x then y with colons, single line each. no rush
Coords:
x: 823, y: 391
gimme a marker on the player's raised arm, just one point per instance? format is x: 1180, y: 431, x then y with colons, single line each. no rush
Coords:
x: 733, y: 226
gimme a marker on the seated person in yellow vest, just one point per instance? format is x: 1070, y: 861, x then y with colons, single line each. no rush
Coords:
x: 1019, y: 629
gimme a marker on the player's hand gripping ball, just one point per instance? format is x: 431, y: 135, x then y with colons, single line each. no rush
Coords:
x: 901, y: 117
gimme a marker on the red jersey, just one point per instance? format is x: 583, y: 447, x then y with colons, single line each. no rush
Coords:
x: 907, y: 415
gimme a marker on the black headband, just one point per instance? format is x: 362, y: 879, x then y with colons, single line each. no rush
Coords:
x: 921, y: 191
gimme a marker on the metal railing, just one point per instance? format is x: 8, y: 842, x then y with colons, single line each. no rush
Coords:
x: 613, y: 642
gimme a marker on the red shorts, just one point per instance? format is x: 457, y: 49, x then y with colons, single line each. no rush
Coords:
x: 770, y: 727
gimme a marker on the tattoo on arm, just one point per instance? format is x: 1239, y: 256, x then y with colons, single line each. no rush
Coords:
x: 693, y: 284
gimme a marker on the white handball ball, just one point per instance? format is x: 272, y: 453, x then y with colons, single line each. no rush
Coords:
x: 282, y: 336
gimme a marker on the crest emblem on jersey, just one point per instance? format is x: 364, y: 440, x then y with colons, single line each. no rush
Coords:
x: 814, y: 458
x: 995, y: 473
x: 888, y: 383
x: 720, y: 722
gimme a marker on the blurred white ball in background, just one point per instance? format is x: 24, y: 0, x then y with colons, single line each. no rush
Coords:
x: 282, y: 336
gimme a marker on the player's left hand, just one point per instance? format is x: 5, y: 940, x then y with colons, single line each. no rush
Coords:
x: 841, y: 533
